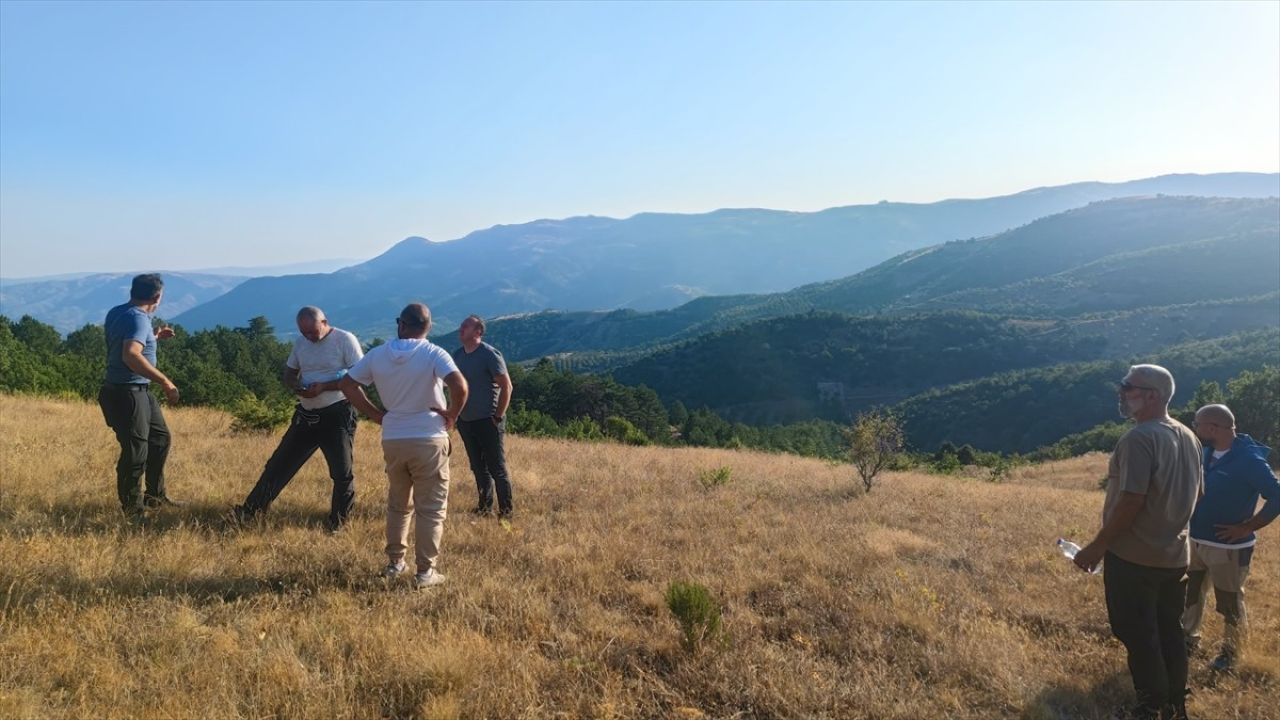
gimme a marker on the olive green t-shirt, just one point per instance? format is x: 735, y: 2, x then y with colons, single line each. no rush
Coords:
x: 1161, y: 460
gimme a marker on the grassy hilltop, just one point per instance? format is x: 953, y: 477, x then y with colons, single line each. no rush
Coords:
x: 935, y: 597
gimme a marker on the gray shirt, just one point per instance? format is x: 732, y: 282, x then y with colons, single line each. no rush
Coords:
x: 1161, y: 460
x: 480, y: 367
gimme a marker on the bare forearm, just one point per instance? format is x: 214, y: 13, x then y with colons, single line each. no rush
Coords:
x: 504, y: 398
x: 355, y: 394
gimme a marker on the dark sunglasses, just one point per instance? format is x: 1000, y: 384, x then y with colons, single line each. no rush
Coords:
x: 1127, y: 386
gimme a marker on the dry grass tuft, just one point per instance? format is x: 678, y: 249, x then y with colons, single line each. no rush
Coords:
x: 933, y: 597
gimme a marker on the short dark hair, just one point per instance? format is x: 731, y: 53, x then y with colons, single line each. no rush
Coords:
x: 415, y: 315
x: 475, y: 320
x: 146, y: 287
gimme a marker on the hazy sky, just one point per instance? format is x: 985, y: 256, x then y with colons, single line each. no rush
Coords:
x: 184, y: 135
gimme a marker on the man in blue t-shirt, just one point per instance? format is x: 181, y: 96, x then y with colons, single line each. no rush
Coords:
x: 127, y: 404
x: 482, y: 423
x: 1224, y: 526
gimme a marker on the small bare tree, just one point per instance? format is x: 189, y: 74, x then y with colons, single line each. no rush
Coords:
x: 874, y: 441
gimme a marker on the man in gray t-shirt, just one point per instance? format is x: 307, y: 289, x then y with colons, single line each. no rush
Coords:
x: 482, y: 423
x: 1153, y: 482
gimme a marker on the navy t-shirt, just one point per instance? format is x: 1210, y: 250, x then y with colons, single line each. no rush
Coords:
x: 480, y: 367
x: 128, y: 323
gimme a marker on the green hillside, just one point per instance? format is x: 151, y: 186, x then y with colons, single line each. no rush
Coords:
x: 1108, y: 256
x: 1022, y: 410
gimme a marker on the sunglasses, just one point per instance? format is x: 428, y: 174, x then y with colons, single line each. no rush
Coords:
x: 1127, y: 386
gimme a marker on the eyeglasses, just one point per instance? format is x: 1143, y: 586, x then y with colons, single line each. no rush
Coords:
x: 402, y: 321
x: 1127, y: 386
x: 1197, y: 423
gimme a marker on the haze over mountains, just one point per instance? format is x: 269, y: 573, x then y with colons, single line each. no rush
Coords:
x: 69, y: 301
x: 654, y: 261
x: 72, y: 303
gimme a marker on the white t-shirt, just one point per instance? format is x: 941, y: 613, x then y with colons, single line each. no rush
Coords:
x: 324, y: 361
x: 410, y: 378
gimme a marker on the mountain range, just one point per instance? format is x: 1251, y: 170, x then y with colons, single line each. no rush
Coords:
x: 655, y: 261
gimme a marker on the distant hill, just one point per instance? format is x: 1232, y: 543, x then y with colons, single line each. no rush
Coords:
x: 1117, y: 255
x: 652, y: 261
x: 68, y: 304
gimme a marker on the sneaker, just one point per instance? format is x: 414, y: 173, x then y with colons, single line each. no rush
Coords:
x: 427, y: 579
x: 158, y: 501
x: 392, y: 570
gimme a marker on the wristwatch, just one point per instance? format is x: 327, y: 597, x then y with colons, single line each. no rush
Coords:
x: 499, y: 418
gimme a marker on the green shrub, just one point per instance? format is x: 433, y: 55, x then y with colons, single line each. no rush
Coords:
x: 696, y: 612
x: 254, y: 415
x: 715, y: 477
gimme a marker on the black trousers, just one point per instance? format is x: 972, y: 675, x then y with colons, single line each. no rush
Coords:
x: 1144, y: 605
x: 135, y: 416
x: 332, y: 430
x: 483, y: 440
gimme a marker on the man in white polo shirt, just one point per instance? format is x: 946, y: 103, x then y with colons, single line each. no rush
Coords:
x: 410, y: 373
x: 323, y: 419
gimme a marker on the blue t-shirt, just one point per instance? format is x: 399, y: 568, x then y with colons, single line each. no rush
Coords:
x: 128, y: 323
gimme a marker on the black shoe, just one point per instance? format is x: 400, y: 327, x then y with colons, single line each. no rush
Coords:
x: 481, y: 511
x: 240, y: 515
x: 333, y: 527
x: 137, y: 518
x: 158, y: 501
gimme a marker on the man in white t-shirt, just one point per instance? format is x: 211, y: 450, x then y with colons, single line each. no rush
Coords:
x: 410, y: 373
x: 323, y: 418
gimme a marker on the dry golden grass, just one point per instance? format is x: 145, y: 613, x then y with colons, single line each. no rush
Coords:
x: 931, y: 598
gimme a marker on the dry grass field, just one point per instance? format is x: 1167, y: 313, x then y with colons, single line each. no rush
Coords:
x: 933, y: 597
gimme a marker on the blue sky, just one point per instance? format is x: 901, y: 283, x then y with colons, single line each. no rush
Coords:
x: 184, y: 135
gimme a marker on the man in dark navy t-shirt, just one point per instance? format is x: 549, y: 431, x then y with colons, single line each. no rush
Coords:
x: 127, y: 404
x: 482, y: 423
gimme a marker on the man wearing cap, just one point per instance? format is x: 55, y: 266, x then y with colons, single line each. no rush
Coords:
x: 128, y: 407
x: 1223, y: 527
x: 1153, y: 482
x: 482, y: 423
x: 323, y: 419
x: 410, y: 373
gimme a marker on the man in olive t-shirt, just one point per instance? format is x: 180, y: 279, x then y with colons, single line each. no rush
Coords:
x: 1153, y: 482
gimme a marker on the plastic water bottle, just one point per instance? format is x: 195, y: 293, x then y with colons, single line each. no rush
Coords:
x: 1069, y: 549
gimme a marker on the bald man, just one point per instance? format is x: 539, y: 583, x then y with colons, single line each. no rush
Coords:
x: 1223, y: 527
x: 323, y: 418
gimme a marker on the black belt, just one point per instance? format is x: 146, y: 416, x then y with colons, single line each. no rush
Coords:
x: 128, y: 386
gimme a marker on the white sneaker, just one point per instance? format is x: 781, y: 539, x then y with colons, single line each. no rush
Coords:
x: 427, y: 579
x: 392, y: 570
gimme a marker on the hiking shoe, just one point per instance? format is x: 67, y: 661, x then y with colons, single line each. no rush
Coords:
x: 427, y: 579
x: 240, y: 515
x: 333, y: 527
x: 392, y: 570
x: 158, y: 501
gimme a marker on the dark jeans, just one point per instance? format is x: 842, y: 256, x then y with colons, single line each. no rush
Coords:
x: 488, y: 463
x: 332, y: 429
x: 1144, y: 605
x: 135, y: 416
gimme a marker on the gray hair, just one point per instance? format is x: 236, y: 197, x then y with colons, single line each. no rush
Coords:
x: 1155, y: 377
x: 311, y: 312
